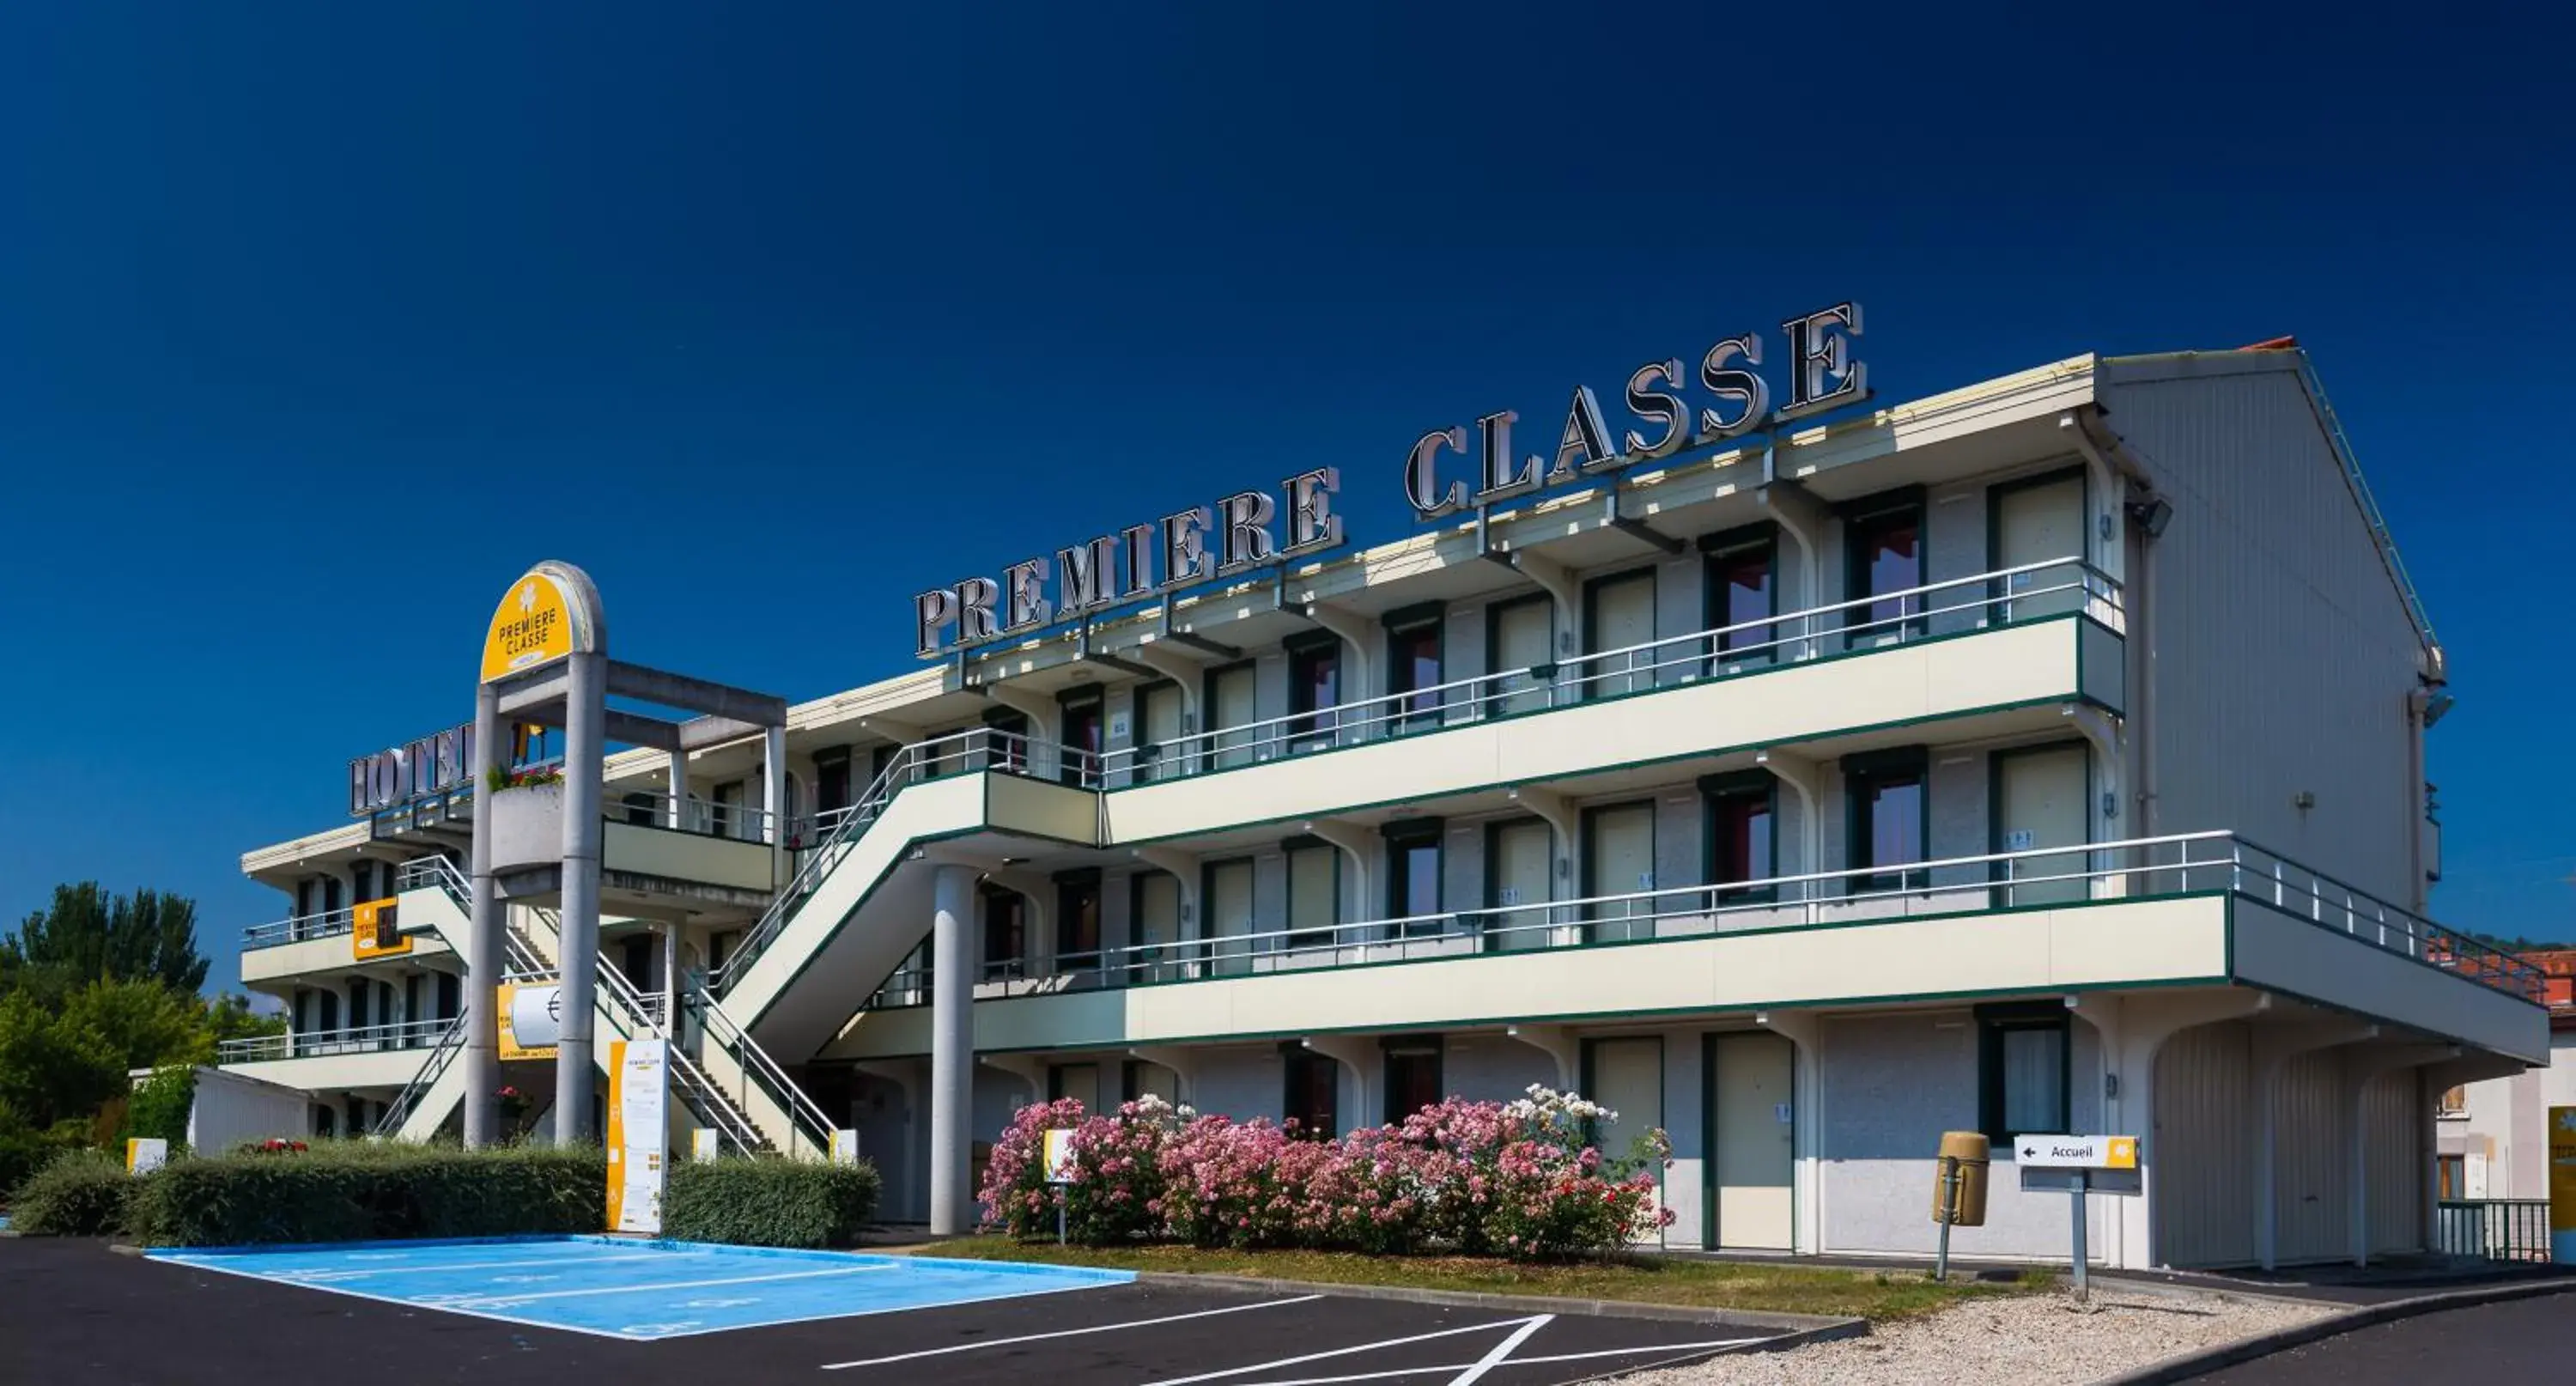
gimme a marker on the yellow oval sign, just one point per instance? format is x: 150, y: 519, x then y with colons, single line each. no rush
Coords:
x: 539, y: 622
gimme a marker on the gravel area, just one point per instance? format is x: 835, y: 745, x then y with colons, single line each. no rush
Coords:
x: 2041, y: 1338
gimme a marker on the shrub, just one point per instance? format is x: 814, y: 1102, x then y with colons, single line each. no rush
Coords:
x: 365, y: 1191
x: 767, y: 1200
x: 81, y: 1194
x: 1520, y: 1179
x: 26, y: 1148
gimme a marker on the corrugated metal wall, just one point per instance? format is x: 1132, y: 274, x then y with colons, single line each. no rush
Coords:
x: 2393, y: 1119
x: 2284, y: 652
x: 2202, y: 1148
x: 2311, y: 1160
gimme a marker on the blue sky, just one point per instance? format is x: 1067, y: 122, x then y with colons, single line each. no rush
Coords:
x: 319, y: 323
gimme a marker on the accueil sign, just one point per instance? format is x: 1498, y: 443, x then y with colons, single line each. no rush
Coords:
x: 1823, y: 375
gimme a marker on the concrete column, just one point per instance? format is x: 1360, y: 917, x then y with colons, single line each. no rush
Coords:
x: 1565, y: 864
x: 1360, y: 847
x: 1366, y: 1064
x: 1558, y: 1045
x: 1807, y: 521
x: 1807, y: 1133
x: 576, y: 1070
x: 952, y: 1050
x: 670, y: 977
x: 1184, y: 1067
x: 2362, y: 1066
x: 773, y: 799
x: 1363, y: 642
x: 483, y: 955
x: 677, y: 811
x: 2145, y: 1023
x: 2274, y: 1047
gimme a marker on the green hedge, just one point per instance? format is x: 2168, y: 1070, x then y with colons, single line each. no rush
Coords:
x: 768, y: 1201
x: 81, y: 1194
x: 346, y: 1191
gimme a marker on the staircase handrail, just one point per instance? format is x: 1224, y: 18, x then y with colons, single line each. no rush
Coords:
x: 524, y: 962
x: 426, y: 1077
x: 520, y: 958
x: 974, y: 748
x: 803, y: 1111
x: 725, y: 1116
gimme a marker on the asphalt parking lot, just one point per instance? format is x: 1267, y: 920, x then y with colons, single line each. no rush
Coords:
x: 75, y: 1311
x: 2523, y: 1340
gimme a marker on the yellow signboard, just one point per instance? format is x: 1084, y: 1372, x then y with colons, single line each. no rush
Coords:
x: 544, y: 617
x: 376, y: 934
x: 2123, y: 1153
x: 2562, y: 1185
x: 530, y: 1019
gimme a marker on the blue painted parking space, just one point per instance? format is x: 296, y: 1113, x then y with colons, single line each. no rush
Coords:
x: 637, y: 1290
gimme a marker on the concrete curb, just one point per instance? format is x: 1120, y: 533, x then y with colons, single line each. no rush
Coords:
x: 2331, y: 1326
x: 1795, y: 1330
x: 2162, y: 1289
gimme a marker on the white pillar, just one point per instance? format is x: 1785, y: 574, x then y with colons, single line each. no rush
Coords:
x: 585, y: 715
x: 671, y: 977
x: 483, y: 958
x: 677, y: 810
x: 952, y: 1050
x: 773, y: 798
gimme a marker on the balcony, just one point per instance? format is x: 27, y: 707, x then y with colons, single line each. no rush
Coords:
x: 314, y: 1044
x: 369, y: 1056
x: 2203, y: 908
x: 302, y: 928
x: 314, y: 944
x: 2017, y: 642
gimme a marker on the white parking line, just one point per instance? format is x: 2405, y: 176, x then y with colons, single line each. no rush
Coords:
x: 1066, y: 1333
x: 1500, y: 1351
x: 1518, y: 1362
x: 557, y: 1262
x: 471, y: 1300
x: 1363, y: 1347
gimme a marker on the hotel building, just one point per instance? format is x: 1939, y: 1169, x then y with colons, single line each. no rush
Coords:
x: 2042, y: 756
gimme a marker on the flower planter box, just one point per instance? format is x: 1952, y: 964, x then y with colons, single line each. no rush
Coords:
x: 526, y: 826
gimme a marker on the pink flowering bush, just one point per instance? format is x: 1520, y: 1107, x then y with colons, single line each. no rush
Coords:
x: 1016, y: 1195
x: 1519, y: 1179
x: 1118, y: 1173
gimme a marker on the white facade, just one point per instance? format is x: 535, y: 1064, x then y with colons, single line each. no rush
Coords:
x: 2046, y: 755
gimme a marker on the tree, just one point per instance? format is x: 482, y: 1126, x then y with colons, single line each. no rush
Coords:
x: 231, y: 1018
x: 145, y: 1024
x: 87, y: 936
x: 51, y: 1071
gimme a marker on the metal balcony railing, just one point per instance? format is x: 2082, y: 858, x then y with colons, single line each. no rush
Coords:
x: 299, y: 929
x: 312, y: 1044
x: 2135, y: 869
x: 702, y: 817
x: 1956, y: 606
x: 976, y: 749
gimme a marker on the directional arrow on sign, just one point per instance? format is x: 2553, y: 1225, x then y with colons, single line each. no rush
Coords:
x: 2078, y: 1152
